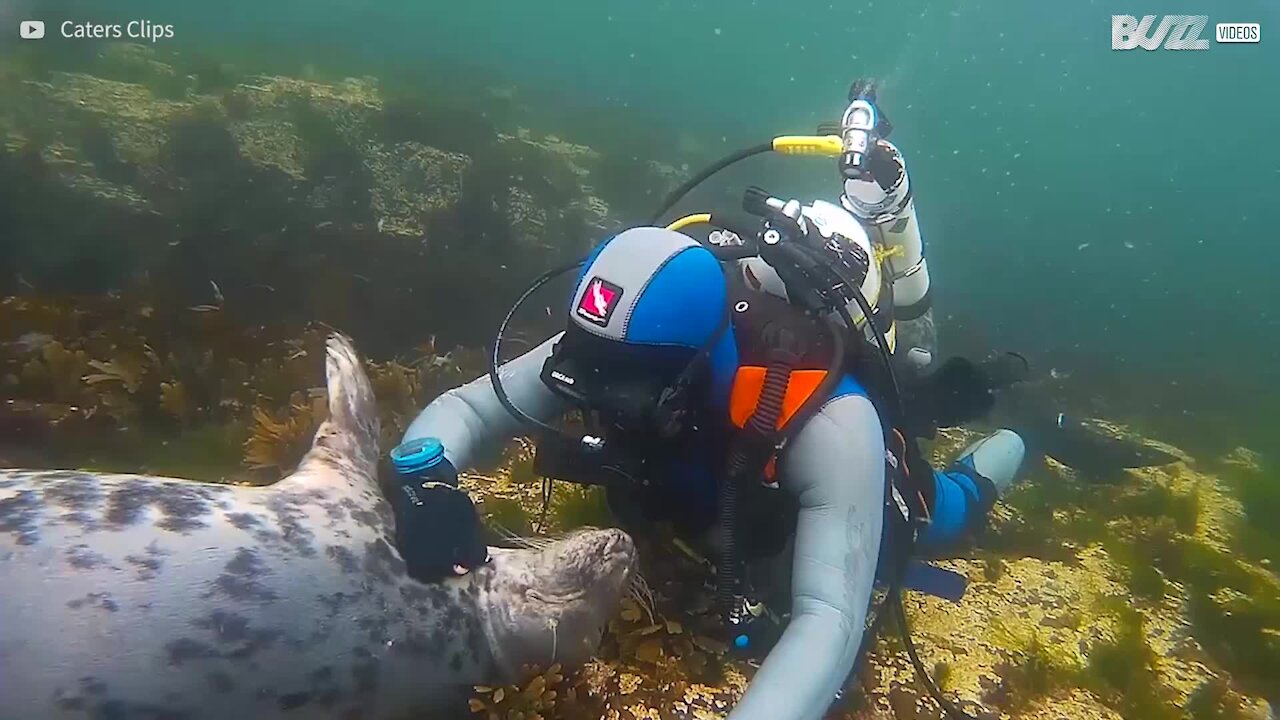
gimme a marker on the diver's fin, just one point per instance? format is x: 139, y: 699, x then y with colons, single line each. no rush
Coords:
x: 932, y: 580
x: 349, y: 436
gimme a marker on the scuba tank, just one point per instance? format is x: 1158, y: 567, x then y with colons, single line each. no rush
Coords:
x: 877, y: 190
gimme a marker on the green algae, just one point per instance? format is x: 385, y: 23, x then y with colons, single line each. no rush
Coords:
x: 1121, y: 670
x: 1161, y: 502
x: 507, y: 516
x: 209, y: 453
x: 1214, y: 701
x: 942, y: 675
x: 1038, y: 667
x: 578, y: 506
x: 992, y: 569
x: 1257, y: 485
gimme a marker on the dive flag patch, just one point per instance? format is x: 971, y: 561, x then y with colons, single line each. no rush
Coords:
x: 599, y: 300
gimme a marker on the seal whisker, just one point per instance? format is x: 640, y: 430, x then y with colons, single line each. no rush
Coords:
x: 639, y: 590
x: 530, y: 542
x: 554, y: 624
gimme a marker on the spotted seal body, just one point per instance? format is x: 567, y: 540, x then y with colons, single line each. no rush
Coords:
x: 129, y: 596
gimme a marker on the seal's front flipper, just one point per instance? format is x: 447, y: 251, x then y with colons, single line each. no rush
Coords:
x: 352, y: 407
x: 348, y: 438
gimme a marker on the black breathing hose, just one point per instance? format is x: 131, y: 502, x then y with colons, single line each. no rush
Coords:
x: 678, y: 194
x: 498, y: 390
x: 882, y: 344
x: 951, y: 709
x: 727, y: 520
x: 762, y: 423
x: 771, y: 400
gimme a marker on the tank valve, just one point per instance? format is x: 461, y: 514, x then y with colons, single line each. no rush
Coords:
x: 857, y: 132
x: 862, y: 125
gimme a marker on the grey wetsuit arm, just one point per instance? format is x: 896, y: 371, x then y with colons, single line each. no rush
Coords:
x: 836, y: 466
x: 470, y: 420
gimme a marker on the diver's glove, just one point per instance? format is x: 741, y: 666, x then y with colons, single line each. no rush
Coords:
x: 438, y: 529
x: 960, y: 391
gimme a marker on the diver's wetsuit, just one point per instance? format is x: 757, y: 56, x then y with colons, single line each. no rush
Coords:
x: 672, y: 293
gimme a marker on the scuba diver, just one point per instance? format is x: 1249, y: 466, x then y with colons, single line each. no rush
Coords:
x: 745, y: 389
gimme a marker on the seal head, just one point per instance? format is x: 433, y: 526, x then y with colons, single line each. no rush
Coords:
x: 552, y: 605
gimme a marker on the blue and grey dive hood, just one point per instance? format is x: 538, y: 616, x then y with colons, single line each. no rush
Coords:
x: 648, y: 318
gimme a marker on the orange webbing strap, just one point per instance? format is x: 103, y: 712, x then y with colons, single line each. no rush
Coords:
x: 749, y: 382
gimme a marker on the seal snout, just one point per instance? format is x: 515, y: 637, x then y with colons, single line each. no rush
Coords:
x: 618, y: 543
x: 620, y: 547
x: 588, y: 558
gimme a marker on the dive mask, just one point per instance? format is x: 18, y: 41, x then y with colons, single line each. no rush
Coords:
x: 642, y: 389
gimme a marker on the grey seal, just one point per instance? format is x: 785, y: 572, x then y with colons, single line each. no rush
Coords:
x: 130, y: 596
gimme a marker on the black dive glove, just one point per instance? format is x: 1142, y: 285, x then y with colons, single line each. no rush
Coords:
x: 438, y: 529
x: 959, y: 390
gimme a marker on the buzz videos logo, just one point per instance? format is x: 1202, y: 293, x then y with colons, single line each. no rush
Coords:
x: 1176, y: 32
x: 31, y: 29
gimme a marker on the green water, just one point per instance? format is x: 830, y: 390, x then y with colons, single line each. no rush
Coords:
x: 1104, y: 212
x: 1111, y: 215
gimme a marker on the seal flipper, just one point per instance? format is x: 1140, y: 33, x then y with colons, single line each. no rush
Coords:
x: 349, y: 436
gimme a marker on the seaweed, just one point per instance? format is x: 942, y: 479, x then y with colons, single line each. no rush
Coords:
x: 1037, y: 667
x: 506, y: 515
x: 1159, y: 501
x: 992, y: 569
x: 942, y: 675
x: 1122, y: 671
x: 1143, y: 576
x: 536, y: 696
x: 331, y: 155
x: 278, y: 443
x: 417, y: 119
x: 581, y: 506
x: 1257, y: 485
x: 1213, y: 700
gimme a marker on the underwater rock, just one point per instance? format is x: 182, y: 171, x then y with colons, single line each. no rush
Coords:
x: 140, y: 64
x: 302, y: 199
x: 290, y: 126
x: 1243, y: 457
